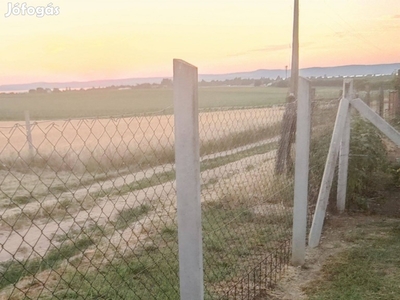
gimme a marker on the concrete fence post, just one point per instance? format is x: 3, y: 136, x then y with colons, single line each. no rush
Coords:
x: 367, y: 113
x: 187, y: 160
x: 303, y: 132
x: 327, y: 178
x: 348, y: 93
x: 29, y: 133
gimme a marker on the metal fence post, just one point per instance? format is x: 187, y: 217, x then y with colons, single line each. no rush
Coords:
x: 303, y: 132
x: 29, y: 133
x: 187, y: 159
x: 344, y: 151
x: 381, y: 102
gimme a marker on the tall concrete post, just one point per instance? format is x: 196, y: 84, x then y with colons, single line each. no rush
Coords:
x: 344, y: 151
x: 303, y: 133
x: 187, y: 160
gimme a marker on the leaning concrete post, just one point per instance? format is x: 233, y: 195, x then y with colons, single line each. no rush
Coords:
x: 187, y: 159
x: 326, y: 184
x: 367, y: 113
x: 344, y: 151
x: 301, y: 173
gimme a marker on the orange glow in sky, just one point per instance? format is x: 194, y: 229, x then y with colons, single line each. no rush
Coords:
x: 91, y: 40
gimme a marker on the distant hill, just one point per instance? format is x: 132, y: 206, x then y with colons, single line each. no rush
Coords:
x: 79, y: 84
x: 350, y: 70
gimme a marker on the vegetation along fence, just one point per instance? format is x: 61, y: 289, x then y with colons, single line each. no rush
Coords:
x: 90, y: 208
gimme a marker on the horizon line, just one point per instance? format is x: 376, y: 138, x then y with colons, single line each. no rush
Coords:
x: 201, y: 74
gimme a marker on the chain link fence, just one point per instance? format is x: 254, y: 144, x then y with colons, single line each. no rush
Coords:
x: 246, y: 210
x: 323, y: 120
x: 383, y: 102
x: 322, y: 123
x: 88, y: 209
x: 88, y: 206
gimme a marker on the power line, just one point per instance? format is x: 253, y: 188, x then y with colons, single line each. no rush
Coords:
x: 353, y: 30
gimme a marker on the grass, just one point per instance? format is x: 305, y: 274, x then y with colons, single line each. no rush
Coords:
x: 155, y: 179
x: 76, y: 104
x: 149, y: 274
x: 54, y: 189
x: 367, y: 271
x: 49, y: 212
x: 130, y: 215
x: 67, y: 207
x: 235, y: 236
x: 327, y: 92
x: 238, y: 139
x: 152, y: 272
x: 20, y: 201
x: 100, y: 171
x: 167, y: 176
x: 14, y: 270
x: 220, y: 161
x: 133, y: 160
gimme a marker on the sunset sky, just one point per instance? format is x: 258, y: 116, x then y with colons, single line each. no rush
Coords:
x: 91, y: 40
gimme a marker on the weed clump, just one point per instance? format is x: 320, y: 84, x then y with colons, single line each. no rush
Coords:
x: 369, y: 169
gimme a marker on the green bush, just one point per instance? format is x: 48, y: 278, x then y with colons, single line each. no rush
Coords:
x: 369, y: 170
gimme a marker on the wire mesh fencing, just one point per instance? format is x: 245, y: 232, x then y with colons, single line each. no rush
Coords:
x: 88, y: 210
x: 383, y: 102
x: 88, y: 206
x: 360, y: 153
x: 324, y: 111
x: 246, y: 209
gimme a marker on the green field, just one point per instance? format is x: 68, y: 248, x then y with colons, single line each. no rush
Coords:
x: 95, y: 103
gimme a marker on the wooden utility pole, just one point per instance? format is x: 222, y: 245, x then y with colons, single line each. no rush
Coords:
x: 288, y: 130
x: 294, y: 82
x: 398, y: 93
